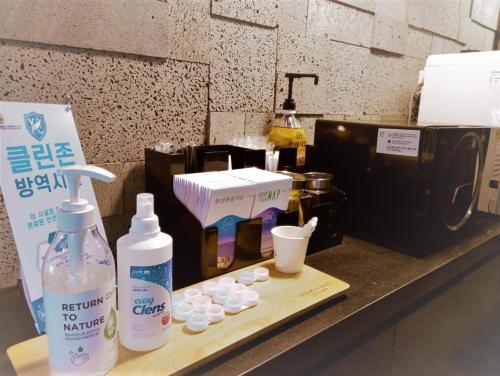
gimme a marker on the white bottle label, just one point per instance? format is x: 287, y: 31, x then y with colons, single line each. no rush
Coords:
x: 151, y: 288
x: 82, y: 329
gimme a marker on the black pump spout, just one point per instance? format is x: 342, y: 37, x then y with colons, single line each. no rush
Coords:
x: 289, y: 103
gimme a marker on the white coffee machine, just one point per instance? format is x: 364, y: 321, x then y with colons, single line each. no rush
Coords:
x: 464, y: 89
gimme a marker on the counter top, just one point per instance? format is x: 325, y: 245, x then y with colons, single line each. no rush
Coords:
x: 383, y: 283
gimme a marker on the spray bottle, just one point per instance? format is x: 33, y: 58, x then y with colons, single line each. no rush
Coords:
x: 287, y: 131
x: 144, y: 280
x: 79, y: 286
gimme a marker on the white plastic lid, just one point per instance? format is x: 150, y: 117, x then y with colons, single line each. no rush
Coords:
x: 182, y: 311
x: 215, y: 313
x: 197, y: 322
x: 201, y: 303
x: 250, y: 298
x: 237, y: 289
x: 191, y: 294
x: 208, y: 287
x: 246, y: 277
x: 261, y: 274
x: 145, y: 222
x: 226, y: 281
x: 233, y: 305
x: 220, y: 295
x: 178, y: 299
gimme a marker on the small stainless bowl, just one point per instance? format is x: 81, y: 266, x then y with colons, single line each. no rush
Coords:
x: 318, y: 181
x: 298, y: 179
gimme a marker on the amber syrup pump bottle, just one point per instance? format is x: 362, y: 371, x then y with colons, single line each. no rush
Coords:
x: 287, y: 131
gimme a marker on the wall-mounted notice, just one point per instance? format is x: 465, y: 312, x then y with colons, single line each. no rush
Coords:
x: 398, y: 141
x: 37, y: 140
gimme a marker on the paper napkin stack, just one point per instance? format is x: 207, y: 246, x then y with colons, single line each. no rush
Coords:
x: 244, y: 193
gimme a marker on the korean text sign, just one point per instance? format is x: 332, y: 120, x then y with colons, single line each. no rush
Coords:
x: 37, y: 140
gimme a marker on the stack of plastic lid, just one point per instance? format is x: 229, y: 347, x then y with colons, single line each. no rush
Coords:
x: 199, y: 307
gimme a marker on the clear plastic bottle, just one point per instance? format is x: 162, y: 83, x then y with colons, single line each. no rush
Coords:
x: 144, y: 280
x: 288, y: 133
x: 79, y: 288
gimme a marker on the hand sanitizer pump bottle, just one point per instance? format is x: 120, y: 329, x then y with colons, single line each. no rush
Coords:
x: 79, y: 287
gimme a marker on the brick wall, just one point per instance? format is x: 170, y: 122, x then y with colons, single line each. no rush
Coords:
x: 193, y: 70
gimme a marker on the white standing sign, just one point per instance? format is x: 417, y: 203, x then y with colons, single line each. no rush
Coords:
x: 37, y: 140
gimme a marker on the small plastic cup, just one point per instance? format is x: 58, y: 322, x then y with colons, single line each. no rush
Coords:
x: 289, y: 249
x: 208, y: 287
x: 247, y: 277
x: 197, y: 322
x: 237, y: 289
x: 215, y: 313
x: 220, y: 295
x: 191, y: 294
x: 201, y: 303
x: 226, y: 281
x: 182, y: 311
x: 261, y: 274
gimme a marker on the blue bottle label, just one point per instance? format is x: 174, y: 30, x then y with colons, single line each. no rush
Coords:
x: 151, y: 299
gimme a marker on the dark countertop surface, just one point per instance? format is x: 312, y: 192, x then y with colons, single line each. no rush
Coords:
x: 377, y: 276
x: 374, y: 272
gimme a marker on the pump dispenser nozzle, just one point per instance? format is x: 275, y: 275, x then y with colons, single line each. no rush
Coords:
x: 76, y: 213
x: 73, y: 177
x: 289, y: 103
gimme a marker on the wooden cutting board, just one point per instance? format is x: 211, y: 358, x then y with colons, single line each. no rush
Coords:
x: 283, y: 297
